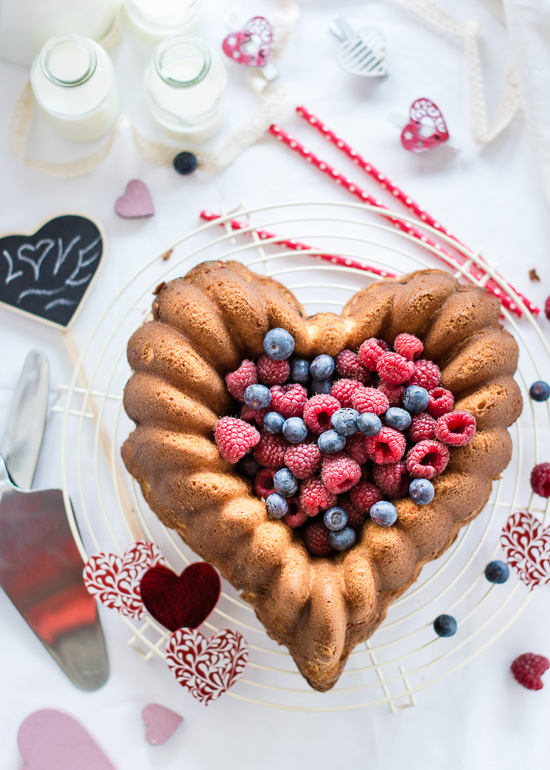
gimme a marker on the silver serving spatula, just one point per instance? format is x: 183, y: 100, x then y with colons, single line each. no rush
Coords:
x: 40, y: 565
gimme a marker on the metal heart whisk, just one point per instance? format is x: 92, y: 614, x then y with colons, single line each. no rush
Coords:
x: 361, y: 53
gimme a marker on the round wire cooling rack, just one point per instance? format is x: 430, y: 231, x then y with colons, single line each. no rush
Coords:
x: 108, y: 512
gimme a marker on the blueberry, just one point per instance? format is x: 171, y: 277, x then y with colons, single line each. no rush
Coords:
x: 335, y: 519
x: 257, y: 396
x: 278, y: 344
x: 415, y: 399
x: 294, y: 430
x: 497, y: 571
x: 343, y: 539
x: 344, y: 421
x: 284, y: 483
x: 397, y: 418
x: 421, y: 491
x: 540, y: 391
x: 276, y: 506
x: 299, y: 370
x: 273, y: 422
x: 445, y: 625
x: 322, y: 367
x: 369, y: 424
x: 320, y: 386
x: 185, y: 163
x: 383, y: 513
x: 331, y: 442
x: 248, y: 466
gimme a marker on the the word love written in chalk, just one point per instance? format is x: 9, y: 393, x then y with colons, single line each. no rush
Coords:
x: 47, y: 274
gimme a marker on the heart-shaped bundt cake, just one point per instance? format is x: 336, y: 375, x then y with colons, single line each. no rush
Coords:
x: 317, y: 591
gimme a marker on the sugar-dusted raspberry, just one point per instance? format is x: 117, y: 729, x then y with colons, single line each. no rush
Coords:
x: 370, y: 400
x: 348, y: 365
x: 288, y: 400
x: 316, y: 539
x: 427, y: 459
x: 239, y: 380
x: 540, y: 479
x: 263, y: 483
x: 392, y: 480
x: 363, y: 495
x: 303, y: 460
x: 295, y: 519
x: 356, y: 518
x: 408, y: 346
x: 340, y: 473
x: 356, y: 448
x: 272, y: 372
x: 343, y: 391
x: 314, y: 495
x: 426, y: 374
x: 270, y: 450
x: 234, y: 438
x: 441, y: 401
x: 394, y: 369
x: 370, y: 351
x: 318, y: 411
x: 393, y: 393
x: 547, y: 308
x: 528, y: 668
x: 455, y: 428
x: 254, y: 415
x: 422, y: 427
x: 387, y: 447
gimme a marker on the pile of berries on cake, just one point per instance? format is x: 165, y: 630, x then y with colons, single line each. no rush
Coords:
x: 330, y: 442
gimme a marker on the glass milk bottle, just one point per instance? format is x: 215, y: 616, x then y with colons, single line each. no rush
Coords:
x: 154, y: 20
x: 185, y: 81
x: 73, y: 81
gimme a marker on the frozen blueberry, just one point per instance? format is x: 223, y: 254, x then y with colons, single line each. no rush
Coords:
x: 294, y: 430
x: 248, y: 466
x: 497, y: 571
x: 421, y: 491
x: 398, y: 418
x: 369, y: 424
x: 320, y: 386
x: 415, y: 399
x: 335, y: 519
x: 257, y: 396
x: 276, y: 506
x: 445, y: 625
x: 284, y: 483
x: 299, y: 370
x: 331, y: 442
x: 322, y: 367
x: 273, y: 422
x: 540, y: 391
x: 185, y: 163
x: 343, y: 539
x: 344, y: 421
x: 278, y: 344
x: 383, y: 513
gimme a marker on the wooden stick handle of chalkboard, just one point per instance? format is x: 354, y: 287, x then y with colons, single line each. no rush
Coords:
x: 105, y: 441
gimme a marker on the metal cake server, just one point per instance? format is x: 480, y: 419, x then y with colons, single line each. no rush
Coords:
x: 40, y: 565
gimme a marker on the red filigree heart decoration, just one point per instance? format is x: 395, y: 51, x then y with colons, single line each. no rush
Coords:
x: 424, y: 114
x: 526, y: 545
x: 181, y: 601
x: 206, y: 667
x: 115, y: 580
x: 252, y: 45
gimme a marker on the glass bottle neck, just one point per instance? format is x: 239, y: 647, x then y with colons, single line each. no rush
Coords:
x: 182, y: 61
x: 68, y: 60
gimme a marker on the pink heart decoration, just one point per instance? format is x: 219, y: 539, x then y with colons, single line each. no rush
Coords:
x: 412, y: 137
x: 161, y: 723
x: 115, y: 580
x: 52, y: 740
x: 136, y: 201
x: 252, y: 45
x: 206, y: 667
x: 527, y: 548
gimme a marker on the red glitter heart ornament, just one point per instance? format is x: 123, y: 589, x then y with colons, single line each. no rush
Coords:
x: 252, y: 45
x: 181, y: 601
x: 424, y: 113
x: 526, y: 545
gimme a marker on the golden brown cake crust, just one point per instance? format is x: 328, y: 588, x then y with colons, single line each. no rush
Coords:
x: 204, y: 325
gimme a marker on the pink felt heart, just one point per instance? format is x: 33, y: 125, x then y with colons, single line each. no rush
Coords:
x: 136, y: 201
x: 115, y: 580
x: 206, y: 667
x: 424, y: 113
x: 52, y: 740
x: 252, y: 45
x: 526, y: 545
x: 161, y: 723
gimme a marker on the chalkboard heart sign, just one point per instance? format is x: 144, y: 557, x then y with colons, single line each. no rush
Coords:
x: 48, y: 274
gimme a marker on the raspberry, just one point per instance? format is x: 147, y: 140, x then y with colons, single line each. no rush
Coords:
x: 540, y: 479
x: 270, y: 450
x: 392, y: 392
x: 303, y: 460
x: 288, y: 400
x: 370, y: 400
x: 340, y: 473
x: 356, y: 518
x: 528, y: 669
x: 318, y: 411
x: 295, y: 519
x: 408, y: 346
x: 272, y: 372
x: 441, y: 402
x: 426, y: 374
x: 455, y: 428
x: 387, y: 447
x: 422, y: 427
x: 356, y: 448
x: 547, y: 308
x: 314, y: 496
x: 370, y: 351
x: 363, y: 495
x: 427, y: 459
x: 254, y: 415
x: 316, y: 539
x: 394, y: 369
x: 348, y: 365
x: 239, y: 380
x: 234, y: 438
x: 392, y: 480
x: 263, y: 483
x: 343, y: 391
